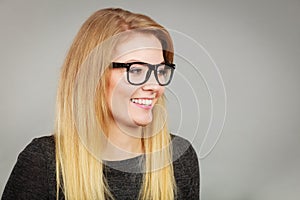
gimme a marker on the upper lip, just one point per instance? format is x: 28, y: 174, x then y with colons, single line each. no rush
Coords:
x: 150, y: 98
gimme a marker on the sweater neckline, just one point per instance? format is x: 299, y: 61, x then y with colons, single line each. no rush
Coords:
x: 130, y: 165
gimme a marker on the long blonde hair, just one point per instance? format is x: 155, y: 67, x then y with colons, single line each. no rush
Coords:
x: 82, y: 107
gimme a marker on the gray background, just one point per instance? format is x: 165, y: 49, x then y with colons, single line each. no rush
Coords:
x: 255, y: 43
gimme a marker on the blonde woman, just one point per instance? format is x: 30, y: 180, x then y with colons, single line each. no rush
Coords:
x: 111, y: 139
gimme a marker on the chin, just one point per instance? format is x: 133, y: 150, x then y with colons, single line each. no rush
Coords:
x: 144, y: 121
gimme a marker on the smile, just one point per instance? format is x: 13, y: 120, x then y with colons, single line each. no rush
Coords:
x: 145, y: 102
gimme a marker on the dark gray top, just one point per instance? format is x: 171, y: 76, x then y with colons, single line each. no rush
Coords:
x: 34, y: 176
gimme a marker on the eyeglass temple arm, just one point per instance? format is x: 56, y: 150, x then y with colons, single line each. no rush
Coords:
x: 120, y: 65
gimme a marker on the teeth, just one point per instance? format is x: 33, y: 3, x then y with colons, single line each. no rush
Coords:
x: 147, y: 102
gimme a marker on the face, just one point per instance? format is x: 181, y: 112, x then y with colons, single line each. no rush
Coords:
x: 132, y: 105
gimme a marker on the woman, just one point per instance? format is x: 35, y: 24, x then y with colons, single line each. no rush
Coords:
x: 111, y: 139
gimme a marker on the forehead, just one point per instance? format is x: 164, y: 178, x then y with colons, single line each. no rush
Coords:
x: 138, y: 46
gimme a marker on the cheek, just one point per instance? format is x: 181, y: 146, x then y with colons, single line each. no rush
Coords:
x: 161, y: 91
x: 119, y: 91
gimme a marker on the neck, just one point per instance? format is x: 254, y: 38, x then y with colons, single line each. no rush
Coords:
x: 123, y: 144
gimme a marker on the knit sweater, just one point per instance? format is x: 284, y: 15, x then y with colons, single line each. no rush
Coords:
x: 34, y: 174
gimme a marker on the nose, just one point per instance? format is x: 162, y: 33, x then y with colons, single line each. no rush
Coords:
x: 152, y: 83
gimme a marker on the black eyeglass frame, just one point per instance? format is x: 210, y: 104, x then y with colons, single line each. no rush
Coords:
x: 150, y: 69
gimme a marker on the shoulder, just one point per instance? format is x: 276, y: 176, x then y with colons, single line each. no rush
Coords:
x: 182, y: 149
x: 41, y: 145
x: 186, y: 168
x: 43, y: 142
x: 38, y: 150
x: 33, y: 171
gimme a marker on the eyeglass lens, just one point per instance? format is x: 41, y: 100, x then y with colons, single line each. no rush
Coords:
x: 140, y: 73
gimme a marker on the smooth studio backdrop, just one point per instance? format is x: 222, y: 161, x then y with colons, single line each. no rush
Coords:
x: 255, y: 44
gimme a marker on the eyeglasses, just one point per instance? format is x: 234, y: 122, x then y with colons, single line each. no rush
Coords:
x: 139, y: 73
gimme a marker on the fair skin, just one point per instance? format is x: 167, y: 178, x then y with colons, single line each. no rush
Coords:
x: 129, y: 117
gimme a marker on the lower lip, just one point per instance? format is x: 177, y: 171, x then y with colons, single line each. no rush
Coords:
x: 143, y: 106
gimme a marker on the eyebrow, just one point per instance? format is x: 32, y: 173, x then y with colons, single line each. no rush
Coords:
x: 135, y: 60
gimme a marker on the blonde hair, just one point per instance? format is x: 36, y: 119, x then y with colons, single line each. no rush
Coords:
x: 82, y: 111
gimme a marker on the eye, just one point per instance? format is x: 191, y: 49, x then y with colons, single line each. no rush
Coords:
x: 135, y: 70
x: 162, y: 72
